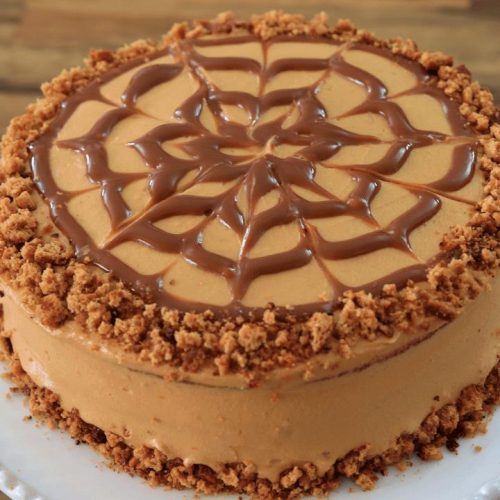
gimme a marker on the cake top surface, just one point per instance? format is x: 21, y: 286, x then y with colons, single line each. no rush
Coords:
x: 230, y: 172
x: 261, y: 174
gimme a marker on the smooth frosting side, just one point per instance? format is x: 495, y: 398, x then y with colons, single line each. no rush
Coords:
x: 279, y: 423
x: 226, y: 174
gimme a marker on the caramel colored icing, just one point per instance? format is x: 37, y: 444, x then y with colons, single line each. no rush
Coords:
x: 233, y: 172
x: 286, y: 420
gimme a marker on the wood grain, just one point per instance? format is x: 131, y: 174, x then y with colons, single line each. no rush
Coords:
x: 38, y: 38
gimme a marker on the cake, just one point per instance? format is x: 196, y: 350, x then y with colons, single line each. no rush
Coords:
x: 256, y: 256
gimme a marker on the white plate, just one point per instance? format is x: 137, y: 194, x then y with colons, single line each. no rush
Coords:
x: 37, y: 463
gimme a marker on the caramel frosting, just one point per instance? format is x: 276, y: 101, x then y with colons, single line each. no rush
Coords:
x: 232, y: 172
x: 284, y: 422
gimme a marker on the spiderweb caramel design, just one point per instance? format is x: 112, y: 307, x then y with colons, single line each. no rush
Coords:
x: 251, y: 143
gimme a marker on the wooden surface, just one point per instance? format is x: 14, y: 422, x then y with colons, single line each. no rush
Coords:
x: 38, y: 38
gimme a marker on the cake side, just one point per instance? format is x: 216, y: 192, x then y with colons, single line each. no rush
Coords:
x: 215, y: 420
x: 52, y: 283
x: 466, y: 417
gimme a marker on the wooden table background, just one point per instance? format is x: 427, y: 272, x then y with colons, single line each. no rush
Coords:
x: 38, y: 38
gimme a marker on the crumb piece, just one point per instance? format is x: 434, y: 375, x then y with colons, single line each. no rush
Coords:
x: 402, y: 466
x: 289, y: 479
x: 251, y: 337
x: 320, y: 326
x: 430, y: 452
x: 431, y: 61
x: 366, y: 480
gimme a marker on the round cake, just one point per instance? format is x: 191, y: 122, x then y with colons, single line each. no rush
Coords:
x: 256, y: 256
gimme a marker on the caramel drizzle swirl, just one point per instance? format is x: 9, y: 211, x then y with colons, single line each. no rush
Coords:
x: 256, y: 175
